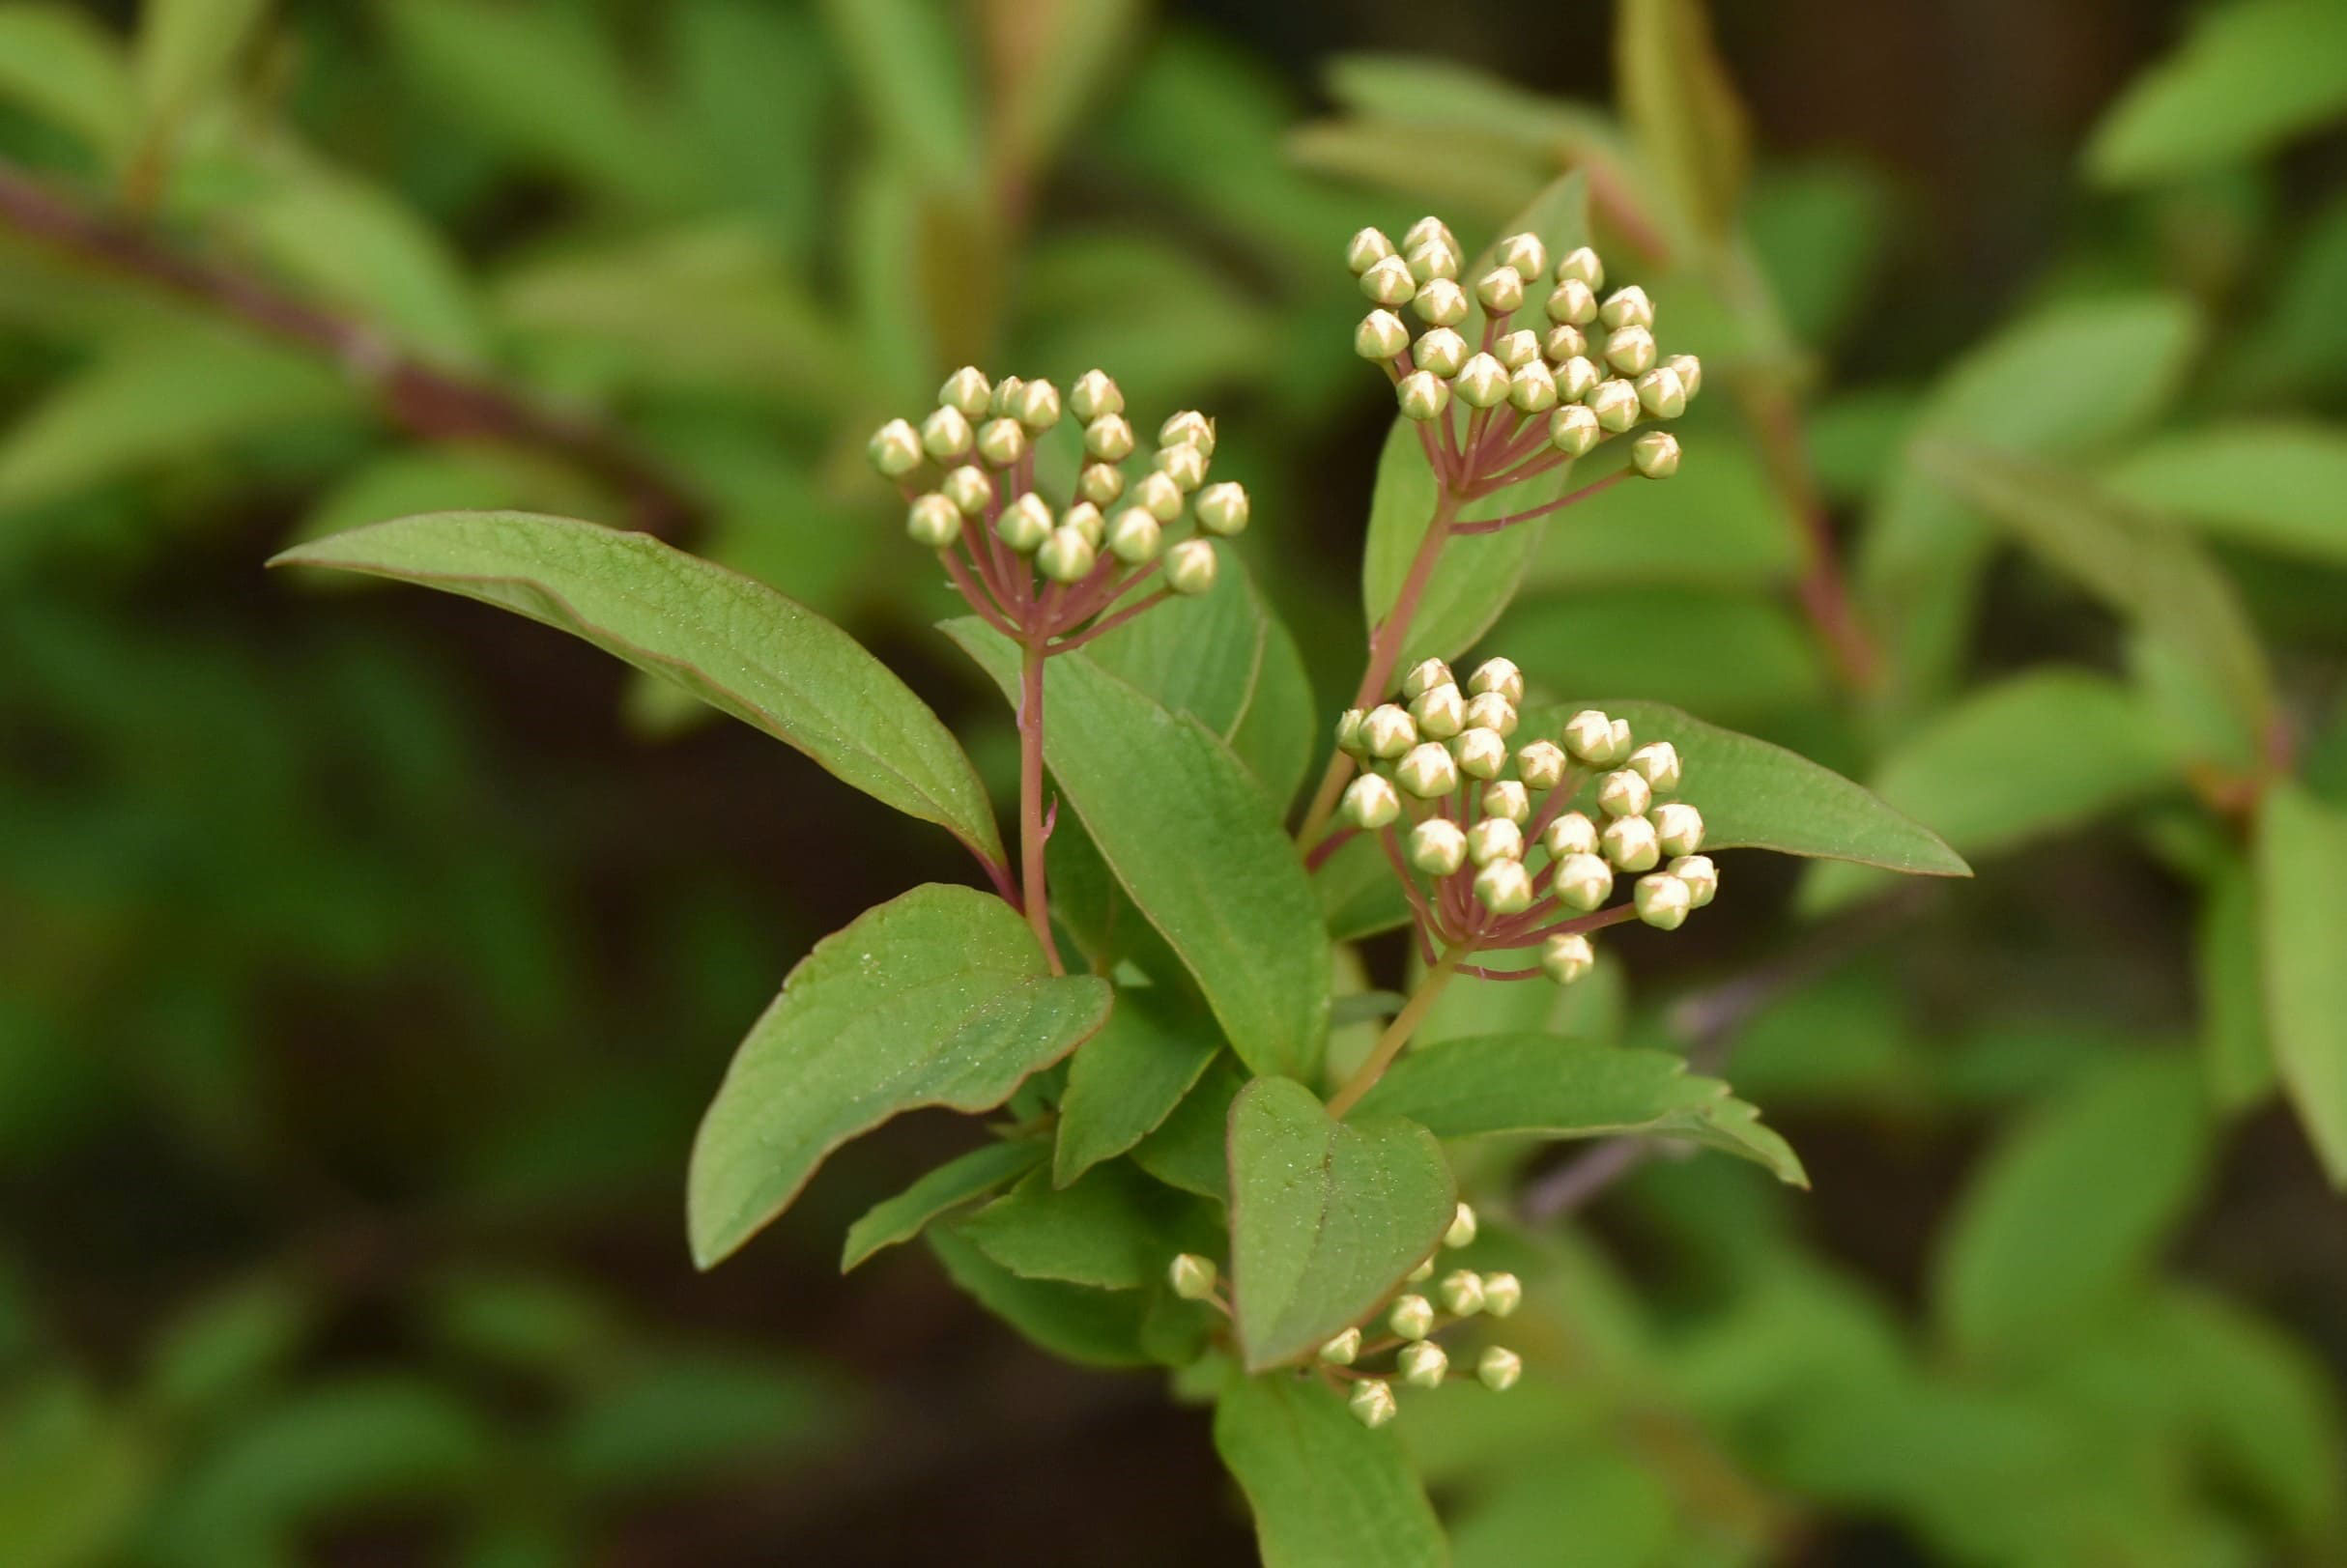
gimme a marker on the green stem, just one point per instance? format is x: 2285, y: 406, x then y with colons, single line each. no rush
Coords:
x: 1397, y: 1033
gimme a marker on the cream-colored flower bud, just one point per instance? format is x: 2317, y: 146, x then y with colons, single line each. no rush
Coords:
x: 1565, y: 342
x: 1067, y: 556
x: 1423, y: 1272
x: 1482, y: 754
x: 1412, y: 1317
x: 1660, y: 394
x: 1589, y: 736
x: 1657, y: 762
x: 1424, y: 395
x: 1540, y: 764
x: 1615, y: 405
x: 1002, y: 441
x: 1690, y: 372
x: 1630, y: 350
x: 1462, y: 1292
x: 1381, y: 336
x: 1501, y: 289
x: 1462, y: 1229
x: 1495, y: 839
x: 1505, y: 887
x: 969, y: 390
x: 1569, y: 832
x: 1025, y: 524
x: 1508, y: 799
x: 1570, y: 304
x: 1038, y: 407
x: 1498, y: 1369
x: 1441, y: 351
x: 1577, y: 377
x: 1526, y: 252
x: 1427, y: 769
x: 1343, y: 1350
x: 1627, y: 307
x: 1136, y: 537
x: 1101, y: 483
x: 1503, y: 1294
x: 1584, y: 881
x: 1497, y: 674
x: 1185, y: 465
x: 1532, y: 387
x: 1371, y: 1403
x: 1481, y: 381
x: 895, y: 448
x: 1110, y: 437
x: 1188, y: 428
x: 1439, y: 711
x: 1678, y: 828
x: 1582, y: 264
x: 1516, y: 349
x: 1424, y: 676
x: 1192, y: 1277
x: 1348, y: 723
x: 1370, y: 802
x: 1566, y: 957
x: 1223, y: 509
x: 1366, y: 249
x: 1430, y: 230
x: 935, y: 521
x: 1191, y: 567
x: 1389, y: 282
x: 1156, y: 494
x: 945, y: 434
x: 1094, y: 394
x: 1430, y: 263
x: 1662, y: 901
x: 1621, y: 738
x: 1655, y: 454
x: 1388, y: 731
x: 970, y: 488
x: 1441, y: 303
x: 1628, y: 842
x: 1573, y: 430
x: 1702, y: 878
x: 1437, y: 846
x: 1624, y: 793
x: 1423, y: 1365
x: 1006, y: 397
x: 1493, y: 711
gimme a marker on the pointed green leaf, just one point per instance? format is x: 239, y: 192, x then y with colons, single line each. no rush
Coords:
x: 1327, y: 1216
x: 2274, y: 485
x: 1326, y: 1491
x: 1094, y: 1327
x: 1553, y: 1087
x: 939, y: 997
x: 975, y: 1175
x: 1191, y: 1148
x: 1128, y: 1079
x: 2302, y: 894
x: 735, y: 644
x: 1113, y: 1230
x: 1678, y: 98
x: 2253, y: 74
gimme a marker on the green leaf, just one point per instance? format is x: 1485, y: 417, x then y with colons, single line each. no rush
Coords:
x: 1114, y: 1229
x: 63, y: 64
x: 1553, y: 1087
x: 906, y: 58
x: 1275, y: 733
x: 1758, y: 796
x: 2300, y: 868
x: 736, y: 645
x: 2253, y: 74
x: 1731, y: 656
x: 1326, y: 1491
x: 1149, y: 1055
x: 2235, y: 1053
x: 1359, y: 895
x: 964, y: 1180
x: 1678, y: 102
x: 1720, y: 523
x: 2039, y: 754
x: 2067, y: 1212
x: 2274, y: 485
x: 939, y: 997
x: 1189, y: 1149
x: 230, y: 1344
x: 1064, y: 55
x: 1094, y: 1327
x: 184, y: 49
x: 1327, y: 1216
x: 1194, y: 841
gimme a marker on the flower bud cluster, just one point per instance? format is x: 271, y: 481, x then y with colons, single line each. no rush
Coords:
x: 1521, y: 839
x: 1568, y: 366
x: 1413, y: 1319
x: 967, y: 471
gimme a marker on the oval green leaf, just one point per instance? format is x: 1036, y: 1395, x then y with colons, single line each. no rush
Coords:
x: 1326, y: 1491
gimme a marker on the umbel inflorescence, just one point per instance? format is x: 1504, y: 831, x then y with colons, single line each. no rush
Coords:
x: 1481, y: 825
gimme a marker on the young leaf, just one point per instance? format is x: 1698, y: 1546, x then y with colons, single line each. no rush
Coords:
x: 2255, y: 73
x: 1195, y: 844
x: 1327, y: 1216
x: 1145, y: 1059
x: 736, y: 645
x: 1554, y: 1087
x: 1326, y: 1491
x: 2273, y: 485
x: 1678, y: 98
x: 983, y: 1170
x: 2302, y: 893
x: 1094, y: 1327
x: 1189, y: 1149
x: 939, y: 997
x: 1114, y: 1230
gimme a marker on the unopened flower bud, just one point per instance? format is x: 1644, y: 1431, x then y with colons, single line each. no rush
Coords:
x: 1615, y: 405
x: 1441, y: 351
x: 895, y: 448
x: 1025, y: 524
x: 1678, y: 828
x: 1570, y: 304
x: 1662, y: 901
x: 1156, y: 494
x: 1493, y: 711
x: 1371, y: 803
x: 1085, y: 519
x: 1433, y: 262
x: 1185, y: 465
x: 1389, y: 282
x: 1388, y: 731
x: 1501, y: 675
x: 1573, y: 430
x: 1462, y: 1292
x: 1577, y: 377
x: 1526, y: 253
x: 1222, y: 508
x: 934, y: 521
x: 1192, y: 1276
x: 1002, y: 441
x: 969, y: 390
x: 1566, y: 957
x: 1655, y: 454
x: 1690, y: 372
x: 1510, y: 800
x: 1038, y: 407
x: 1371, y: 1403
x: 1430, y: 230
x: 1412, y: 1317
x: 1495, y: 839
x: 1624, y: 793
x: 1482, y: 754
x: 1503, y: 1294
x: 1442, y: 302
x: 1423, y: 1365
x: 1437, y: 846
x: 1427, y: 769
x: 1348, y: 723
x: 1565, y: 341
x: 970, y: 488
x: 1532, y: 387
x: 1589, y: 736
x: 1423, y: 1272
x: 1367, y: 249
x: 1583, y: 266
x: 1516, y: 349
x: 1627, y: 307
x: 1343, y: 1350
x: 1660, y: 394
x: 1505, y: 887
x: 1570, y: 833
x: 1188, y: 428
x: 1191, y: 567
x: 1381, y: 336
x: 1101, y: 483
x: 1540, y: 764
x: 1463, y: 1227
x: 1702, y: 878
x: 1498, y: 1369
x: 1583, y: 880
x: 1424, y: 395
x: 1628, y: 842
x: 1439, y: 711
x: 1093, y: 395
x: 1630, y: 350
x: 1481, y: 381
x: 945, y: 434
x: 1657, y: 762
x: 1424, y: 676
x: 1501, y: 289
x: 1136, y: 537
x: 1067, y: 556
